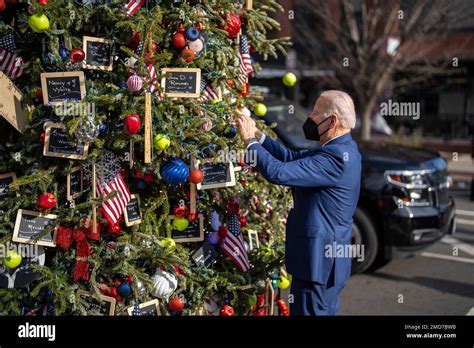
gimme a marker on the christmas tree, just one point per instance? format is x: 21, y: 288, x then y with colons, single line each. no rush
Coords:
x: 120, y: 167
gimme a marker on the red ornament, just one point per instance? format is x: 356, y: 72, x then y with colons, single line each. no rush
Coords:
x: 198, y: 26
x: 132, y: 124
x: 180, y: 211
x: 192, y: 217
x: 283, y: 307
x: 3, y: 6
x: 148, y: 178
x: 222, y: 232
x: 188, y: 55
x: 196, y: 176
x: 226, y: 311
x: 176, y: 304
x: 138, y: 175
x: 245, y: 89
x: 243, y: 221
x: 154, y: 47
x: 77, y: 55
x: 46, y: 201
x: 43, y: 2
x: 233, y: 205
x: 115, y: 229
x: 41, y: 137
x: 178, y: 270
x: 179, y: 40
x: 233, y: 25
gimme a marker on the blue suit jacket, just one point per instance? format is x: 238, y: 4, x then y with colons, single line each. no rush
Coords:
x: 325, y: 184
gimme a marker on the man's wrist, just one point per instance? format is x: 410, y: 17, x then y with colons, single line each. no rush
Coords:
x: 249, y: 141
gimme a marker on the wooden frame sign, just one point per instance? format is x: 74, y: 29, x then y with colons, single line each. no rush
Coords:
x: 10, y: 104
x: 216, y: 174
x: 150, y: 308
x: 253, y: 240
x: 98, y: 53
x: 5, y: 180
x: 182, y: 82
x: 193, y: 233
x: 59, y: 87
x: 58, y: 144
x: 132, y: 212
x: 31, y: 223
x: 106, y: 306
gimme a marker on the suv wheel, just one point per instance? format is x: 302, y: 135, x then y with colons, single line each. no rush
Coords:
x: 364, y: 234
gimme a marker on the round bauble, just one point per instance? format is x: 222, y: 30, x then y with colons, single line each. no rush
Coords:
x: 124, y: 290
x: 226, y: 311
x: 134, y: 83
x: 222, y: 232
x: 192, y: 34
x: 140, y: 289
x: 180, y: 211
x: 196, y: 45
x: 233, y: 25
x: 46, y: 201
x: 233, y: 205
x: 206, y: 125
x: 176, y: 304
x: 260, y: 110
x: 243, y: 221
x: 175, y: 171
x: 77, y: 55
x: 64, y: 53
x: 87, y: 130
x: 179, y: 40
x: 164, y: 283
x: 289, y: 79
x: 132, y: 124
x: 12, y: 260
x: 246, y: 112
x: 214, y: 238
x: 196, y: 176
x: 161, y: 142
x: 283, y: 282
x: 192, y: 216
x: 188, y: 55
x: 180, y: 224
x: 38, y: 23
x: 168, y: 242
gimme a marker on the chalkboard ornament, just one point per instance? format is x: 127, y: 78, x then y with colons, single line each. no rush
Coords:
x: 30, y: 226
x: 5, y: 180
x: 74, y: 183
x: 98, y: 53
x: 193, y: 232
x: 59, y: 87
x: 106, y: 304
x: 58, y: 144
x: 182, y: 82
x: 150, y: 308
x: 132, y: 212
x: 216, y: 175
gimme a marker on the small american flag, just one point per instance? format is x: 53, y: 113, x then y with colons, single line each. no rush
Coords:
x: 10, y: 62
x: 7, y: 42
x: 207, y: 92
x: 113, y: 208
x: 244, y: 58
x: 133, y: 6
x: 233, y: 244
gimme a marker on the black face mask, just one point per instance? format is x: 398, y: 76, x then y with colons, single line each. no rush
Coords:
x: 311, y: 131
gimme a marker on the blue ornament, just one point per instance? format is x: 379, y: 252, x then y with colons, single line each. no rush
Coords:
x: 213, y: 238
x: 123, y: 84
x: 232, y: 132
x: 103, y: 128
x: 141, y: 184
x: 175, y: 171
x: 192, y: 34
x: 211, y: 147
x: 64, y: 53
x: 124, y: 290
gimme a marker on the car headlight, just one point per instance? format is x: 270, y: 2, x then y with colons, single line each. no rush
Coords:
x: 410, y: 188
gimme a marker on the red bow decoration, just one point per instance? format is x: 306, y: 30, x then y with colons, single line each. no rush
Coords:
x: 66, y: 236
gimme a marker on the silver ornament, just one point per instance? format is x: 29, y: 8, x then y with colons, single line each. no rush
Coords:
x: 140, y: 289
x: 87, y: 130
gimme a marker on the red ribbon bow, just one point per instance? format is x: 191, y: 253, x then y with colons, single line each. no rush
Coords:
x: 66, y: 236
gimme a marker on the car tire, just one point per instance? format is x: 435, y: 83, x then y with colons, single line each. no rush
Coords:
x: 364, y: 233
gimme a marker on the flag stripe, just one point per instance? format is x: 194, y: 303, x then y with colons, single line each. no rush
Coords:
x: 233, y: 244
x: 113, y: 208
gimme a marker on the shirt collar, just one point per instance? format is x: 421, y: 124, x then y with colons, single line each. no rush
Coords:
x: 339, y: 136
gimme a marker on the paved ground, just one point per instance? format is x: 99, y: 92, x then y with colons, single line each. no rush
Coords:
x: 434, y: 283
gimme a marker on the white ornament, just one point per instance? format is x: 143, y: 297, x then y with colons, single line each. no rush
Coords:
x: 196, y: 45
x: 164, y: 283
x: 246, y: 112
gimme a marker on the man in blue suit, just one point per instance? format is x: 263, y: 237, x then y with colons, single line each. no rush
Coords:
x: 325, y: 183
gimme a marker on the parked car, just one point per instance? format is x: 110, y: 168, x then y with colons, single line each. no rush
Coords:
x: 404, y: 203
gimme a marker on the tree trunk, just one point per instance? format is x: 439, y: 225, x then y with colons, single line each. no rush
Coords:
x: 366, y: 116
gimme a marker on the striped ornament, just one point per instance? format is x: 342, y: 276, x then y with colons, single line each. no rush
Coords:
x: 134, y: 83
x: 206, y: 125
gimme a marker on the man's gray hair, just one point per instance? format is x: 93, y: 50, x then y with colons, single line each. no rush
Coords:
x: 340, y: 104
